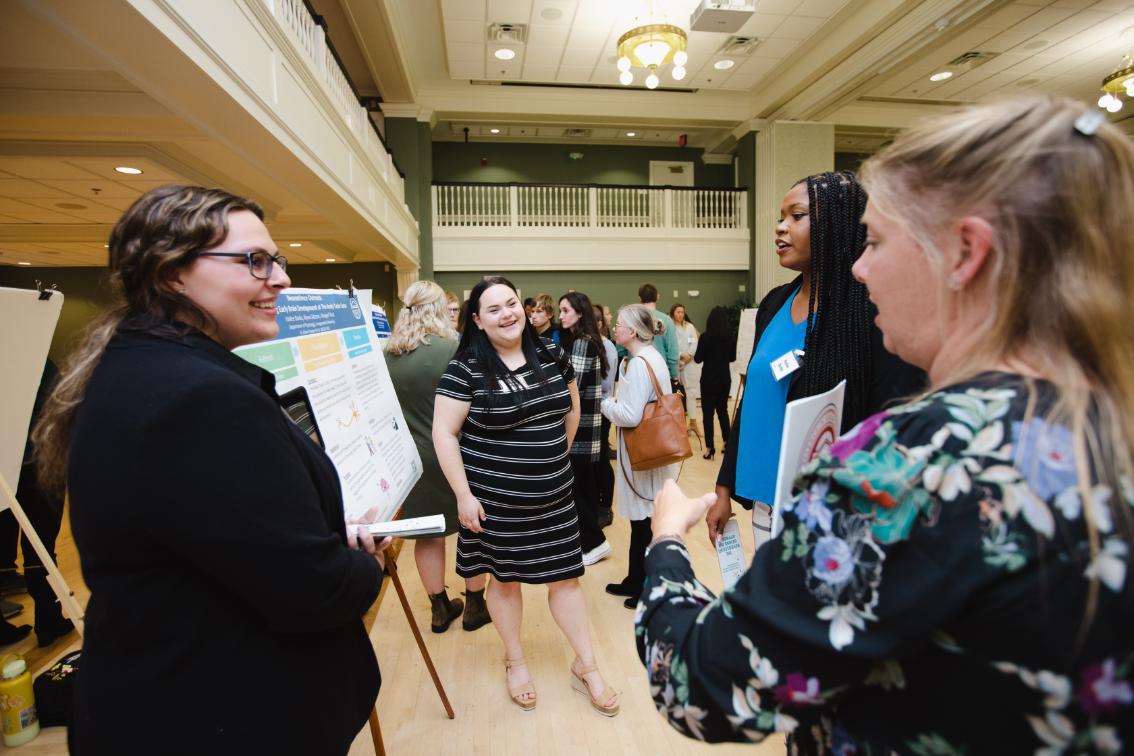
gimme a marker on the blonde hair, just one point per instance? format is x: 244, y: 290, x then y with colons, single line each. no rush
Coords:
x: 425, y: 314
x: 158, y: 234
x: 544, y: 302
x: 1062, y: 264
x: 640, y: 319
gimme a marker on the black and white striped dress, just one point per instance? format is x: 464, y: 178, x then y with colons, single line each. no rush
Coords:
x: 515, y: 456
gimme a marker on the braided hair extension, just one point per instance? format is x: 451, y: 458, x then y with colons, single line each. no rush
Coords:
x: 839, y: 317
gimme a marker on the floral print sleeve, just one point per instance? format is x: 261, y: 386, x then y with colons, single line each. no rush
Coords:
x: 934, y: 564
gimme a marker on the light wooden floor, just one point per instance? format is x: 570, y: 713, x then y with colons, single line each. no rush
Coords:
x: 470, y: 666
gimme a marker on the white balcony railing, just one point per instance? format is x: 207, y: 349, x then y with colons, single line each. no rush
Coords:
x: 558, y: 206
x: 483, y: 227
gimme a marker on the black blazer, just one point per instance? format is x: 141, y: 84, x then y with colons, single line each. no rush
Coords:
x: 890, y: 379
x: 715, y: 354
x: 225, y: 609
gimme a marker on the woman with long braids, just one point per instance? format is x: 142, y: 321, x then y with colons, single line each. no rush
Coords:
x: 588, y: 358
x: 506, y: 412
x: 954, y: 574
x: 825, y: 314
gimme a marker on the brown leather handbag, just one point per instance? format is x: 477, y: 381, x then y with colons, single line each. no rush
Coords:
x: 660, y: 438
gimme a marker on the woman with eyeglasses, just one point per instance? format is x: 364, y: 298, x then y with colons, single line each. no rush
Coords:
x: 226, y: 592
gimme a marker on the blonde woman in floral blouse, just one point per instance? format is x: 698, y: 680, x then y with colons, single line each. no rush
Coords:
x: 953, y: 576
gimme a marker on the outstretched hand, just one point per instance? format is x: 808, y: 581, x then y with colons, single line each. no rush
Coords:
x: 674, y: 512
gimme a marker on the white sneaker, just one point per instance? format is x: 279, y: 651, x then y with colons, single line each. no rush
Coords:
x: 597, y: 554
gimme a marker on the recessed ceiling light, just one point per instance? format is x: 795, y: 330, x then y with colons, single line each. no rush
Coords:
x: 494, y: 131
x: 128, y: 170
x: 631, y: 133
x: 106, y: 246
x: 724, y: 64
x: 551, y: 14
x: 505, y: 53
x: 329, y: 259
x: 941, y: 76
x: 23, y: 263
x: 295, y: 244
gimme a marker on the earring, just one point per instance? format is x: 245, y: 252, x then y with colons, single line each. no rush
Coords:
x: 182, y: 290
x: 954, y: 282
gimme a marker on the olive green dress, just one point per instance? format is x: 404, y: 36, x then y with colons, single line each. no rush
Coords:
x: 415, y: 375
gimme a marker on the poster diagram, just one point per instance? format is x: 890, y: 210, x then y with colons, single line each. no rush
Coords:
x: 327, y: 344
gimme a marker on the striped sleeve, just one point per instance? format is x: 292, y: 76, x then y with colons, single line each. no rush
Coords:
x: 456, y: 382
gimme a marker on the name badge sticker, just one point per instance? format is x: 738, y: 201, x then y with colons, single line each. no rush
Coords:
x: 785, y: 364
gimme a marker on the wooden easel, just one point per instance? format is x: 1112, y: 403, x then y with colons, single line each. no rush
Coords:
x: 375, y: 728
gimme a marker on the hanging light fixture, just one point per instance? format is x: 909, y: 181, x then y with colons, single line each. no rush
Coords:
x: 651, y: 46
x: 1118, y: 83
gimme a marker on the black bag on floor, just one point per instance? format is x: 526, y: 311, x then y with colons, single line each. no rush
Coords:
x: 55, y: 691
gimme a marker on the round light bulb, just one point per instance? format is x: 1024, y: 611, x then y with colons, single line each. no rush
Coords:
x: 1104, y: 100
x: 623, y: 63
x: 626, y: 78
x: 1130, y: 91
x: 504, y: 53
x: 680, y: 58
x: 678, y: 73
x: 1129, y: 82
x: 652, y: 81
x: 1114, y: 106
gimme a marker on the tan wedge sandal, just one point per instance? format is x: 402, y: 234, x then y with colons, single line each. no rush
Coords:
x: 527, y: 688
x: 606, y: 702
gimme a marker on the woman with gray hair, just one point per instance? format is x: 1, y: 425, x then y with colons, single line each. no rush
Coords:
x: 420, y: 347
x: 635, y: 330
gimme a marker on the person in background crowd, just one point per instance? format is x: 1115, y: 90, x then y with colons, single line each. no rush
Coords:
x: 825, y: 315
x: 604, y: 472
x: 588, y: 359
x: 453, y: 308
x: 209, y: 526
x: 716, y: 350
x: 688, y: 370
x: 667, y: 345
x: 637, y: 331
x: 542, y: 317
x: 953, y: 576
x: 505, y: 415
x: 529, y: 305
x: 420, y: 347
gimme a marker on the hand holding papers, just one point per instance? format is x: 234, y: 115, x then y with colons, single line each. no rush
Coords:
x: 429, y: 525
x: 730, y: 555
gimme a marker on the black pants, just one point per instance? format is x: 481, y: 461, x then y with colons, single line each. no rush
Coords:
x: 604, y: 472
x: 640, y: 536
x: 714, y: 399
x: 586, y: 502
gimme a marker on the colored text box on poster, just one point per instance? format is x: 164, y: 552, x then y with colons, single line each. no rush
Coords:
x: 314, y: 347
x: 322, y: 362
x: 275, y: 357
x: 361, y: 351
x: 355, y: 337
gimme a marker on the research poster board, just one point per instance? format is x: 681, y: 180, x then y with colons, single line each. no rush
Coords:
x: 811, y: 425
x: 745, y: 338
x: 27, y: 324
x: 328, y: 344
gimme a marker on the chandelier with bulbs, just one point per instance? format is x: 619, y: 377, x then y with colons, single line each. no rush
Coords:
x: 650, y: 47
x: 1118, y: 83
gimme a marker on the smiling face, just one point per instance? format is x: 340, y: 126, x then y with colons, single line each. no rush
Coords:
x: 793, y: 232
x: 243, y: 308
x: 904, y: 286
x: 501, y: 316
x: 568, y: 318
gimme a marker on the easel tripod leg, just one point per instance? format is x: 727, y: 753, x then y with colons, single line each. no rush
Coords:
x: 392, y: 568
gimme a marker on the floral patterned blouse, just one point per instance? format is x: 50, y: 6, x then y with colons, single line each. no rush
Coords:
x: 927, y: 595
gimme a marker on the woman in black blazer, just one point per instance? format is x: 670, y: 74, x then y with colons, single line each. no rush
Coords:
x: 820, y: 235
x: 226, y: 607
x: 716, y: 350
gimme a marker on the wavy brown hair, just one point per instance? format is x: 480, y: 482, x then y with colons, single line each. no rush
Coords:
x: 158, y: 234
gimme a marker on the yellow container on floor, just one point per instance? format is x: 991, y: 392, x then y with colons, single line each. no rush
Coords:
x: 17, y: 701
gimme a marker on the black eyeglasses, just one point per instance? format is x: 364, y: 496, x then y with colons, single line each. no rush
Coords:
x: 259, y: 262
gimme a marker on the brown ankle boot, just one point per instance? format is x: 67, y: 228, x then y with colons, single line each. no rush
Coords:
x: 476, y: 611
x: 445, y: 610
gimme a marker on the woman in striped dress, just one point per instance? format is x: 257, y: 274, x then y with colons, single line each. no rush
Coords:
x: 588, y: 359
x: 507, y: 409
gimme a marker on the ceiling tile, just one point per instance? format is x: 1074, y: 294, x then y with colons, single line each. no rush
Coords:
x: 781, y: 7
x: 542, y: 56
x: 775, y: 48
x: 578, y: 74
x: 798, y: 27
x: 509, y: 11
x: 43, y: 168
x: 760, y: 25
x: 553, y: 12
x: 465, y: 51
x: 19, y: 188
x: 533, y: 72
x: 465, y: 32
x: 823, y: 8
x: 467, y: 69
x: 578, y: 57
x: 462, y: 10
x: 105, y: 189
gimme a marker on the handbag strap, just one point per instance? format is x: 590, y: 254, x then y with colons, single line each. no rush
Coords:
x: 653, y: 377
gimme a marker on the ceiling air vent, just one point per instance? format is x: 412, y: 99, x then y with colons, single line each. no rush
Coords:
x: 970, y: 60
x: 738, y: 47
x: 507, y: 34
x: 577, y: 133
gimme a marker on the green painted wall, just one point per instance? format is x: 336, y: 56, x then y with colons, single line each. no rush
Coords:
x: 616, y: 288
x: 548, y: 163
x: 87, y: 293
x: 746, y: 173
x: 411, y: 143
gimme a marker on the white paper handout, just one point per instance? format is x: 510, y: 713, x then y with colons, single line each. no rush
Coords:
x: 730, y: 553
x: 327, y: 343
x: 811, y: 425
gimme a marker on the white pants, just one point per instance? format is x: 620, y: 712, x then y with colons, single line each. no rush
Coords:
x: 761, y: 525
